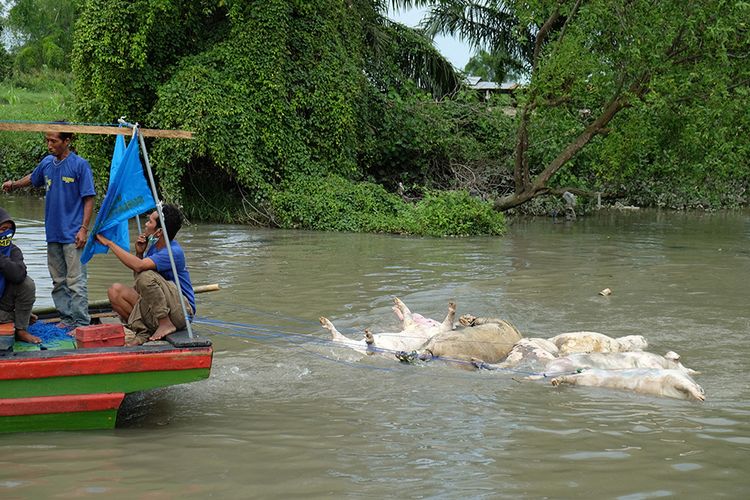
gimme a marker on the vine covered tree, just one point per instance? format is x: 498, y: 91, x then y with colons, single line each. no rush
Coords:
x: 273, y: 89
x: 594, y: 65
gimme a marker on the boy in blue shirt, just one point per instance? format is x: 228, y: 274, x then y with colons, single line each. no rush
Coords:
x: 68, y: 206
x: 152, y: 307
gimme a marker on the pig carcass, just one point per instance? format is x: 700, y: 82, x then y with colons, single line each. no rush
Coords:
x: 657, y: 382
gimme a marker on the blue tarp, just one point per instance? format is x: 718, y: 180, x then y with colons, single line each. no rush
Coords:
x: 127, y: 196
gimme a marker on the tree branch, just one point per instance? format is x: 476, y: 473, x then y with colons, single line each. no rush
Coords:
x: 543, y: 32
x: 573, y: 12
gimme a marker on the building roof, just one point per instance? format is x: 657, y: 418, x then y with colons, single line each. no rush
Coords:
x: 476, y: 83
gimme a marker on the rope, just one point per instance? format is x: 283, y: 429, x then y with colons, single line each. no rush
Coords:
x: 300, y: 340
x: 261, y: 332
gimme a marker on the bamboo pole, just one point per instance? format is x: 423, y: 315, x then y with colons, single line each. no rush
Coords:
x: 93, y: 129
x: 104, y: 304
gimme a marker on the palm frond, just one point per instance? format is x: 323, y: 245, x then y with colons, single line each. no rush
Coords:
x: 415, y: 58
x: 489, y: 25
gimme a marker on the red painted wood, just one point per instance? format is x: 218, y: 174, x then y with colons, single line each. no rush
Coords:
x: 60, y: 404
x: 104, y: 363
x: 104, y: 335
x: 7, y: 329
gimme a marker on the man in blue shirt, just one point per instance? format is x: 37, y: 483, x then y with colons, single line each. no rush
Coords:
x: 68, y: 206
x: 152, y: 308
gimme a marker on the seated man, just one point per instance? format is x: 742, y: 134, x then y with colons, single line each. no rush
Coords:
x: 152, y: 308
x: 17, y: 289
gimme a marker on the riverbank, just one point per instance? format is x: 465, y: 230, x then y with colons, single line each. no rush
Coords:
x: 336, y: 204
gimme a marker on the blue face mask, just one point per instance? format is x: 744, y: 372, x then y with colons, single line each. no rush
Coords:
x: 152, y: 239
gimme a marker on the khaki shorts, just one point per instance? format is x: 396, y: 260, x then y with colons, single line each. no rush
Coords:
x: 158, y: 298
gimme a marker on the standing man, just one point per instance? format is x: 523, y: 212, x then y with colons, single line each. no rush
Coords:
x: 17, y: 289
x: 152, y: 308
x: 68, y: 206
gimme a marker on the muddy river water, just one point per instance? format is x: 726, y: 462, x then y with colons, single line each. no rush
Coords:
x: 287, y: 414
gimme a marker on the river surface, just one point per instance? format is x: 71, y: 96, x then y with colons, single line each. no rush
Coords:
x: 287, y: 414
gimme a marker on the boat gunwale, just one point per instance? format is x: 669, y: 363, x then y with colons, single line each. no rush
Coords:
x: 91, y: 351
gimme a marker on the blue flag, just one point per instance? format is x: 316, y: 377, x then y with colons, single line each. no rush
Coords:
x: 127, y: 196
x: 119, y: 233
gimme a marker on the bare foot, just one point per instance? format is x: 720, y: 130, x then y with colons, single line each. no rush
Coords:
x: 25, y: 336
x: 165, y: 328
x: 33, y: 318
x: 135, y: 341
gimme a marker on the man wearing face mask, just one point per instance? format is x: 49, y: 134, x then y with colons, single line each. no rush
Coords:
x: 17, y: 289
x: 151, y: 308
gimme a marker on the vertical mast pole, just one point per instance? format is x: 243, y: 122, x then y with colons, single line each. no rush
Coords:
x: 152, y: 184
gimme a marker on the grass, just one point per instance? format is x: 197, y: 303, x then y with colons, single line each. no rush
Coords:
x: 41, y: 96
x: 19, y: 103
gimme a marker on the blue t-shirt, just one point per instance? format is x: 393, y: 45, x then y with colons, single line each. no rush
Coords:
x: 67, y: 183
x: 163, y: 267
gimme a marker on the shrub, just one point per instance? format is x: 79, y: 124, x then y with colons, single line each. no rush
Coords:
x: 455, y: 213
x: 336, y: 204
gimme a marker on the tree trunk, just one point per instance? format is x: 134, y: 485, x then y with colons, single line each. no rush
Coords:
x: 529, y: 189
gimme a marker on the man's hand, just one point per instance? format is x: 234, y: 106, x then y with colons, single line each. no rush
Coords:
x: 103, y: 240
x: 81, y: 236
x: 140, y: 244
x: 8, y: 186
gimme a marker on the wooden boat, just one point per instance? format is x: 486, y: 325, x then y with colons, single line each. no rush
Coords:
x: 69, y: 387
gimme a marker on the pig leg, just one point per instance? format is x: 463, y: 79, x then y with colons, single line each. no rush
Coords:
x: 561, y: 380
x: 467, y: 320
x: 405, y: 314
x: 337, y: 337
x: 450, y: 319
x: 398, y: 313
x: 335, y: 334
x: 690, y: 389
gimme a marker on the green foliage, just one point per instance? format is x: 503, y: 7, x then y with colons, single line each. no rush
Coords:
x: 284, y: 90
x: 676, y: 81
x: 124, y: 51
x: 37, y: 96
x: 220, y: 200
x: 41, y: 84
x: 455, y: 213
x: 44, y: 29
x: 20, y: 155
x: 452, y: 143
x: 674, y: 143
x: 682, y: 144
x: 495, y: 66
x: 6, y: 63
x: 273, y: 93
x: 399, y: 58
x: 336, y: 204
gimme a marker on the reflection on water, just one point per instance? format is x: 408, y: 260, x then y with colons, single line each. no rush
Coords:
x: 282, y: 416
